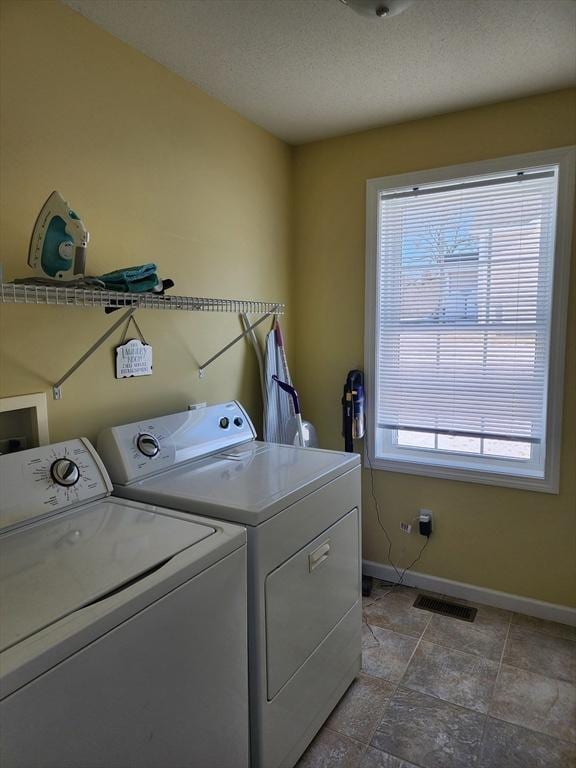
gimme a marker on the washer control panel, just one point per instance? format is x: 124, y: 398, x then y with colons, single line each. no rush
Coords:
x: 132, y: 452
x: 49, y: 479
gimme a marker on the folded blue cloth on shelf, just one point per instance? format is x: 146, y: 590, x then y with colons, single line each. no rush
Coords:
x: 139, y: 279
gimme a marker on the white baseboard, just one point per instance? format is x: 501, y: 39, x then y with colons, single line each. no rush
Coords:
x: 551, y: 611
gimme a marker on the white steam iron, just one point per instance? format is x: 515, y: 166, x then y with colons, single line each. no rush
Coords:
x: 59, y: 242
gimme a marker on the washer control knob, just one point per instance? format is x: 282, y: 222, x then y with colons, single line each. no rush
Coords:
x: 65, y: 472
x: 224, y: 422
x: 148, y: 445
x: 238, y: 421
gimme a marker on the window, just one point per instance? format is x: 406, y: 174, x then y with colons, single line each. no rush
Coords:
x: 467, y: 275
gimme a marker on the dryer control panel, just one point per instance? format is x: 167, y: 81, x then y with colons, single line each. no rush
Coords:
x: 50, y: 479
x: 134, y: 451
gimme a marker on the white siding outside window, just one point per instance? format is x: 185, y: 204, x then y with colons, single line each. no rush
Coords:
x: 466, y: 283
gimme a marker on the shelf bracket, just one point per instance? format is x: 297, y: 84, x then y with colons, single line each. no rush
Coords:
x: 248, y: 330
x: 57, y: 388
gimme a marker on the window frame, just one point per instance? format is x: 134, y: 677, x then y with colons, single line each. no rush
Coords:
x: 565, y: 159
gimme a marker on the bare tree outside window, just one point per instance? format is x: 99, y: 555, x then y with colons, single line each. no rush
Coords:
x: 443, y: 273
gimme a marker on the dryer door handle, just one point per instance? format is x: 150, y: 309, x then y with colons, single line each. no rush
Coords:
x: 319, y: 555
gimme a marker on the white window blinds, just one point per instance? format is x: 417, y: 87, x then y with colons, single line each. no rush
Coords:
x: 464, y: 306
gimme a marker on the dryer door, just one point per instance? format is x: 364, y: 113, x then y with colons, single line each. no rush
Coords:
x: 308, y: 595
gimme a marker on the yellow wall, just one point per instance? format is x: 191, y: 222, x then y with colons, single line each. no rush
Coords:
x: 510, y: 540
x: 159, y: 171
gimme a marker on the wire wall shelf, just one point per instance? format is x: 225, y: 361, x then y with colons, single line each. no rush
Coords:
x: 28, y: 293
x: 62, y: 296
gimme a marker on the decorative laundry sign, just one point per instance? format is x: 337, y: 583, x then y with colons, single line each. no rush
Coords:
x: 133, y: 357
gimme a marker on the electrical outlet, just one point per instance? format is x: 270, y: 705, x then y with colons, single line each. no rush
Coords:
x: 425, y: 522
x: 406, y: 527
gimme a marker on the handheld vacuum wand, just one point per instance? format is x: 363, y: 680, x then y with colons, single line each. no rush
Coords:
x: 353, y: 409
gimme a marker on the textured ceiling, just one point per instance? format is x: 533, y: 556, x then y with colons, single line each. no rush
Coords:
x: 308, y: 69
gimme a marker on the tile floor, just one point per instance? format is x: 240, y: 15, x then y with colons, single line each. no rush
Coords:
x: 438, y: 692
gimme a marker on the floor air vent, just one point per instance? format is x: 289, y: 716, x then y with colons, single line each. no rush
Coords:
x: 445, y: 607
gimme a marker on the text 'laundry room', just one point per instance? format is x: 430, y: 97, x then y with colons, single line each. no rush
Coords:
x: 287, y: 384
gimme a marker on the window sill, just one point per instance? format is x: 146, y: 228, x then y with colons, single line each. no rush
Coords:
x: 548, y: 484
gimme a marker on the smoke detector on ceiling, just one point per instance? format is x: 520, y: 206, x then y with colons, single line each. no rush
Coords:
x: 380, y: 9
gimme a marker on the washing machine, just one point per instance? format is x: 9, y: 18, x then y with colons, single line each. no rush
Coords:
x: 301, y: 509
x: 123, y: 627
